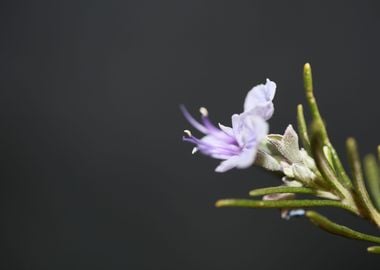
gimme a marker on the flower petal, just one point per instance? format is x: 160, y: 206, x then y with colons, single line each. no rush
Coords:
x: 259, y: 100
x: 249, y: 129
x: 227, y: 165
x: 246, y: 158
x: 242, y: 161
x: 265, y: 111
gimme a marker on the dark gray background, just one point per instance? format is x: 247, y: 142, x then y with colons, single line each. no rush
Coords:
x: 94, y: 174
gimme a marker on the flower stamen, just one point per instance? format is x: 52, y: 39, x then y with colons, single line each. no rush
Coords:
x: 203, y: 111
x: 188, y: 133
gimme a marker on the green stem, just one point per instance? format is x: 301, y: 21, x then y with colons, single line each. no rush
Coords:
x: 281, y: 204
x: 334, y: 228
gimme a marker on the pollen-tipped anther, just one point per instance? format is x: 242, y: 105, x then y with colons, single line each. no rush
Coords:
x: 203, y: 111
x: 187, y: 132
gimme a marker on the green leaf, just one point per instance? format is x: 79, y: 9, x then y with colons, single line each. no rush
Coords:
x: 372, y: 171
x: 280, y: 189
x: 341, y: 172
x: 302, y: 128
x: 374, y: 249
x: 368, y: 209
x: 334, y: 228
x: 328, y: 155
x: 281, y: 204
x: 329, y: 175
x: 308, y: 84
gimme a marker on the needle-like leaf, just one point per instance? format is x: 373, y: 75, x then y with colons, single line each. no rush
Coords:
x: 372, y: 172
x: 374, y: 249
x: 280, y: 189
x: 329, y: 175
x: 364, y: 200
x: 308, y: 84
x: 334, y: 228
x: 302, y: 128
x: 281, y: 204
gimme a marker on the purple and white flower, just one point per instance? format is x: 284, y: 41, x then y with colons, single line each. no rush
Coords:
x: 237, y: 145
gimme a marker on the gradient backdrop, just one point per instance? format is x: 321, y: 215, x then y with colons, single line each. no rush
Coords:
x: 94, y: 174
